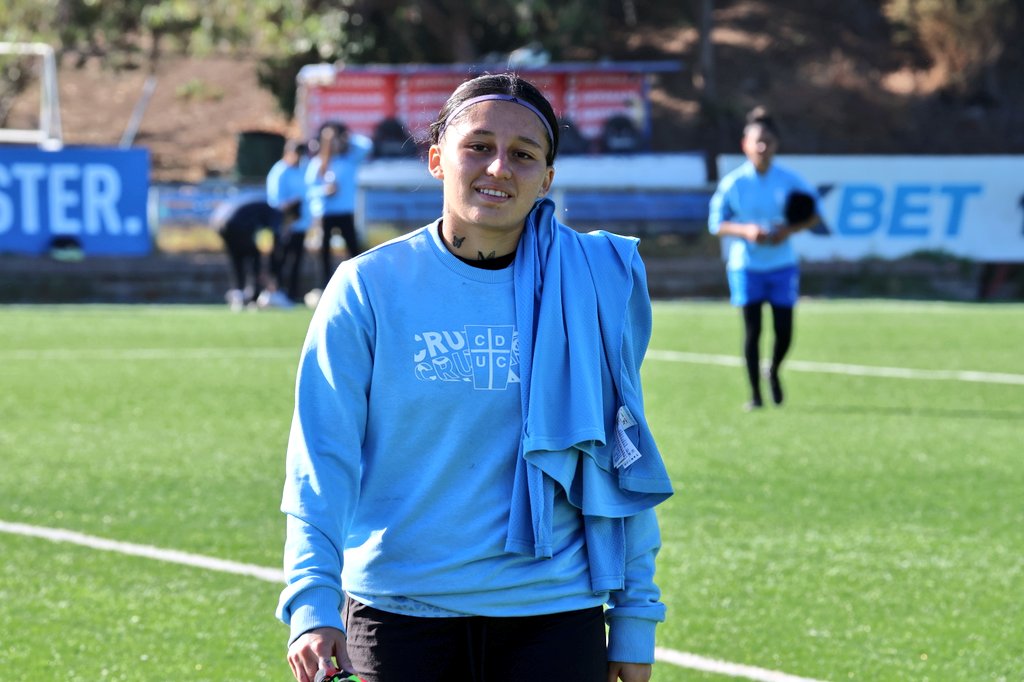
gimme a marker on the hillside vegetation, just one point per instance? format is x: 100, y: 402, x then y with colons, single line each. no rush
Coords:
x: 840, y: 76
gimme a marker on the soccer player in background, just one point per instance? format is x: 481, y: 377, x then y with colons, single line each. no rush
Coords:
x: 756, y: 208
x: 238, y: 220
x: 286, y: 191
x: 331, y: 183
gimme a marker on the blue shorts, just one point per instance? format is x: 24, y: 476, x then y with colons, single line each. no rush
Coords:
x: 779, y: 287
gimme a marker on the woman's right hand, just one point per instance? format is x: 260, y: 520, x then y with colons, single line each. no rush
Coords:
x: 755, y: 234
x: 314, y: 650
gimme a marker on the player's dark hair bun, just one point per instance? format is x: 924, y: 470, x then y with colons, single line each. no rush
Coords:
x: 762, y: 116
x: 759, y: 114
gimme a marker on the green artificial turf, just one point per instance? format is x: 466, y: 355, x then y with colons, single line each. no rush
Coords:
x: 870, y: 529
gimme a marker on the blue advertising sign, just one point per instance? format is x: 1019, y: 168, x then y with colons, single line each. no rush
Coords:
x: 94, y: 196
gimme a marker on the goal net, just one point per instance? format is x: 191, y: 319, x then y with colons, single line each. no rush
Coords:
x: 29, y: 73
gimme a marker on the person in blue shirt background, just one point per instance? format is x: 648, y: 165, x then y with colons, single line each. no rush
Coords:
x: 331, y: 182
x: 286, y: 191
x: 466, y: 499
x: 748, y: 212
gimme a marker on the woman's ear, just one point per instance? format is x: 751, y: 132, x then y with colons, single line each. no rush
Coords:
x: 546, y: 185
x: 434, y: 162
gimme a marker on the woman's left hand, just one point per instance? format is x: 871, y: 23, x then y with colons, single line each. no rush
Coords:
x: 629, y: 672
x: 779, y: 235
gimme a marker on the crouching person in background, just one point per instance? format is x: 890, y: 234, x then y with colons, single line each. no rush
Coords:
x: 238, y: 220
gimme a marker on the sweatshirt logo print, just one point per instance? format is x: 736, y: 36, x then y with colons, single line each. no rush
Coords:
x: 486, y: 355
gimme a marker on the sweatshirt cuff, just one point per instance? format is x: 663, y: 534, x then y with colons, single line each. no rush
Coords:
x: 317, y: 607
x: 631, y: 640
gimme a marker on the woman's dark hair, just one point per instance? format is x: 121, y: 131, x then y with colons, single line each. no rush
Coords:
x: 337, y: 127
x: 760, y: 116
x: 498, y: 84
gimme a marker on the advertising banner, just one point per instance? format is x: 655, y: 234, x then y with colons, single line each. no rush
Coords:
x: 421, y: 96
x: 361, y: 100
x: 93, y: 197
x: 894, y: 206
x: 593, y: 98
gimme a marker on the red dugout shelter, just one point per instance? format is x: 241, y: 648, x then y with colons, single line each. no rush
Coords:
x: 605, y: 105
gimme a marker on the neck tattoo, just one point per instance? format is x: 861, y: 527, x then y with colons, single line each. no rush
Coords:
x: 480, y: 255
x: 457, y: 241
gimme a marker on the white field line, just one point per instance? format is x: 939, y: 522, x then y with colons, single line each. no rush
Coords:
x: 65, y: 354
x: 710, y: 665
x: 841, y: 368
x: 61, y: 354
x: 147, y: 551
x: 677, y: 658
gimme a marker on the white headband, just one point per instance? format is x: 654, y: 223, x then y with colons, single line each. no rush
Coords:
x: 501, y: 97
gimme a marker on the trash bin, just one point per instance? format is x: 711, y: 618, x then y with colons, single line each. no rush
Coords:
x: 258, y: 150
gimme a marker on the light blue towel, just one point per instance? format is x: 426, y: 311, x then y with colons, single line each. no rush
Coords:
x: 582, y: 407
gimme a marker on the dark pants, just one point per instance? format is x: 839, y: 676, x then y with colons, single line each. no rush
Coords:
x: 287, y: 267
x: 244, y: 257
x: 344, y: 223
x: 782, y: 322
x: 387, y: 647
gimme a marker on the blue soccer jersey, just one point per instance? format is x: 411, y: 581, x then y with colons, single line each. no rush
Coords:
x: 746, y: 196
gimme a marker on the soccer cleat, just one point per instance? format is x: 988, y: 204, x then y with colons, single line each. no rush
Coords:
x: 753, y: 405
x: 235, y: 299
x: 312, y: 297
x: 776, y: 385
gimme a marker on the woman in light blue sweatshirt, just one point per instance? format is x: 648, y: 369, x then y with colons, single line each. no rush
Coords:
x: 465, y: 499
x: 331, y: 184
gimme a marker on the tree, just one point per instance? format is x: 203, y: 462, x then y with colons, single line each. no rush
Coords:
x: 964, y: 39
x: 706, y: 84
x: 288, y: 34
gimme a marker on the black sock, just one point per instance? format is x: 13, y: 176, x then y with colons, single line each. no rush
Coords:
x: 751, y: 349
x: 782, y: 320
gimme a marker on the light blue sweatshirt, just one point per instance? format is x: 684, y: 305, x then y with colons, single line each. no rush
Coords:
x: 344, y: 168
x: 746, y: 196
x: 402, y: 458
x: 286, y: 183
